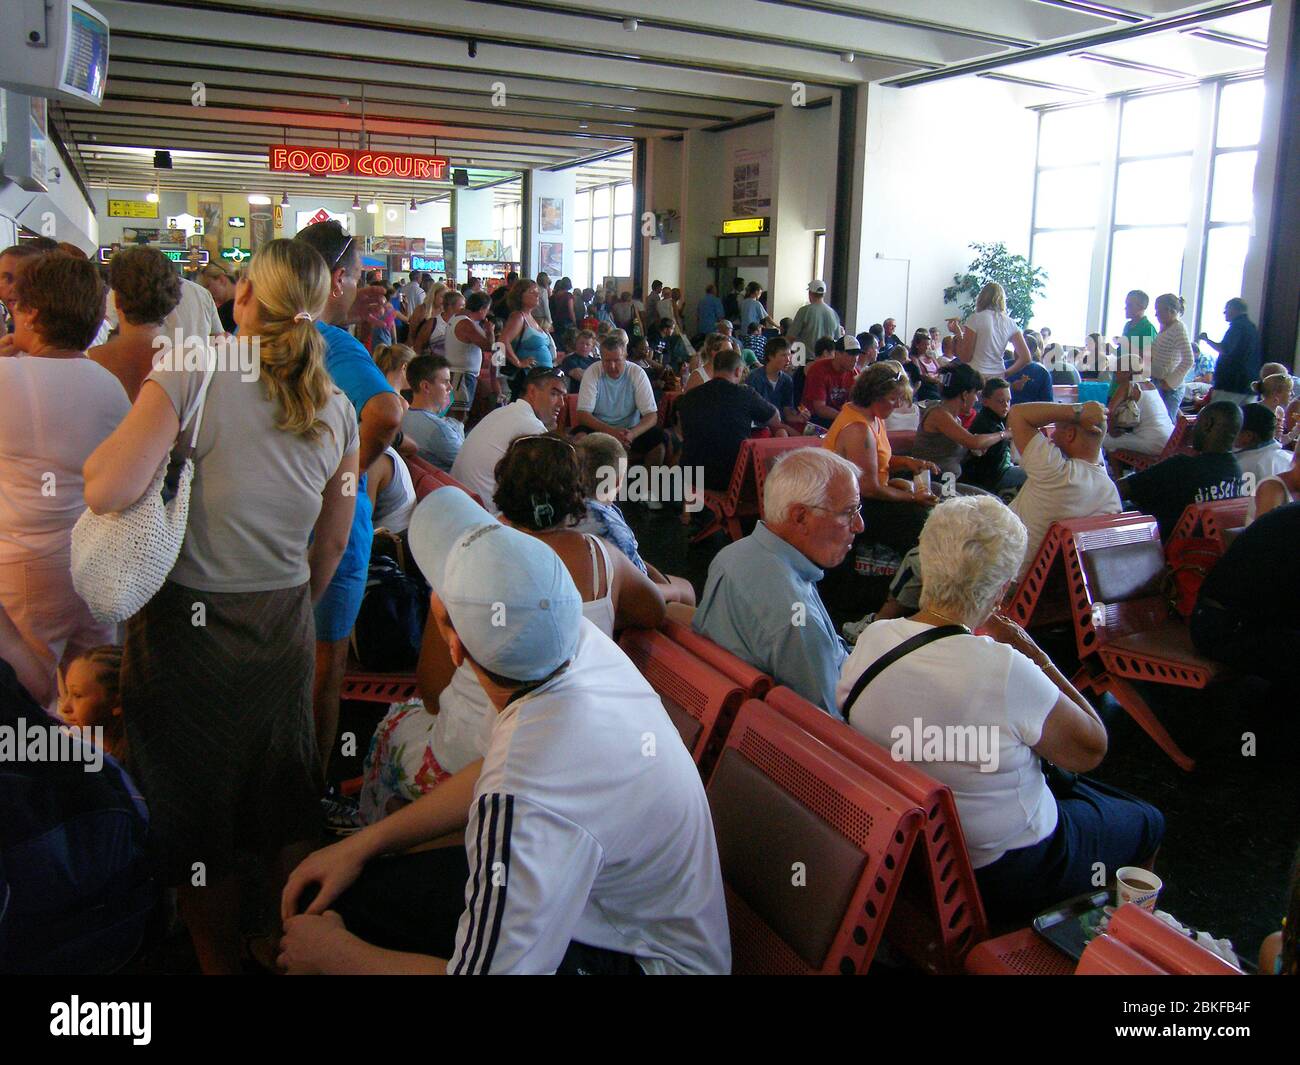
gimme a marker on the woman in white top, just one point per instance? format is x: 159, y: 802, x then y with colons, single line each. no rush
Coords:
x: 981, y: 713
x: 431, y: 339
x: 1154, y: 426
x: 469, y: 335
x: 217, y: 670
x: 58, y: 407
x: 1171, y: 354
x: 1277, y: 491
x: 701, y: 366
x: 983, y: 338
x: 540, y: 492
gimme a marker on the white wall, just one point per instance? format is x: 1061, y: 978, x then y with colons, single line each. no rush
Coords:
x: 803, y: 193
x: 552, y: 185
x: 62, y: 212
x: 664, y: 193
x: 471, y: 214
x: 942, y: 165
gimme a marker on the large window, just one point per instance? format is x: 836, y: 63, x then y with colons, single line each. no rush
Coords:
x: 1127, y: 196
x: 602, y: 234
x: 505, y: 229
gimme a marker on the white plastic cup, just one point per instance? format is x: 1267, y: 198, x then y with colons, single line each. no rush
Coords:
x: 921, y: 482
x: 1138, y: 886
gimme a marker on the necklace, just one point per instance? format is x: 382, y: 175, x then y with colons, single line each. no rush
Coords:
x: 954, y: 621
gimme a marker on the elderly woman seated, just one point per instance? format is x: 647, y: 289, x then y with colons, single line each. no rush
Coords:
x: 985, y: 713
x: 1138, y: 418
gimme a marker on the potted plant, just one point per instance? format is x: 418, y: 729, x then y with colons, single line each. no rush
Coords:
x: 1020, y: 279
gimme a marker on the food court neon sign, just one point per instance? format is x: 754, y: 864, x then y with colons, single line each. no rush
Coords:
x: 292, y: 159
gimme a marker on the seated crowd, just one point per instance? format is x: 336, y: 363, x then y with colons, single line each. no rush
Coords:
x: 510, y: 819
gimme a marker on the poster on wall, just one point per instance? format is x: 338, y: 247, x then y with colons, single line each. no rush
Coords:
x: 482, y: 250
x: 211, y: 213
x: 310, y: 218
x: 550, y: 258
x: 751, y: 180
x: 551, y: 216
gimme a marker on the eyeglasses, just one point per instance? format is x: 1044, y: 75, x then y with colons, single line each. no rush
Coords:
x: 544, y: 373
x: 539, y: 437
x: 845, y: 516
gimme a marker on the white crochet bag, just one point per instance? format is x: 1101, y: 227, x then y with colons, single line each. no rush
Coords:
x: 119, y: 561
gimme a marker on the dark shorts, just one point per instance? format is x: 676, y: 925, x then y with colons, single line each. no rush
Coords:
x: 1096, y: 824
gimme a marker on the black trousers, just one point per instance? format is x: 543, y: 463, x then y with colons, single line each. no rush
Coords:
x: 1247, y: 645
x: 413, y: 903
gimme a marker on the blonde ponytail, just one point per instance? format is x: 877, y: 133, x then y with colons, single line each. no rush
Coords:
x: 289, y: 278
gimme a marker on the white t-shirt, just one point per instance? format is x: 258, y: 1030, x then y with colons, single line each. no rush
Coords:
x: 412, y: 296
x: 993, y: 331
x: 1153, y: 429
x: 577, y: 833
x: 940, y: 691
x: 1057, y: 488
x: 1264, y: 462
x: 55, y: 412
x: 475, y: 466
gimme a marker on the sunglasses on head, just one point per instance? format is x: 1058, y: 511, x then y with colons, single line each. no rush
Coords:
x: 347, y: 244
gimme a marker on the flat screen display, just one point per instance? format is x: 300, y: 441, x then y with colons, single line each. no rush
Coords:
x: 85, y: 53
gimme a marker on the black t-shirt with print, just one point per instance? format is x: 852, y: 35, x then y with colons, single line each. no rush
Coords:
x: 717, y: 417
x: 985, y: 471
x: 1166, y: 489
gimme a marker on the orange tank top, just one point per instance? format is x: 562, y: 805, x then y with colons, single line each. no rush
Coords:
x: 851, y: 415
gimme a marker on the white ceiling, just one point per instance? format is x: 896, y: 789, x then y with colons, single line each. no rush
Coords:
x: 578, y: 85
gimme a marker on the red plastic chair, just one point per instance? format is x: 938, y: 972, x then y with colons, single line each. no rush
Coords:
x: 1106, y: 956
x: 1021, y: 953
x: 1180, y: 441
x: 1123, y: 631
x: 666, y: 404
x: 1164, y: 946
x: 753, y: 682
x: 379, y: 687
x: 699, y: 699
x: 423, y: 471
x: 812, y: 848
x: 568, y: 419
x: 1042, y: 597
x: 1065, y: 393
x: 726, y: 509
x: 939, y: 915
x: 1219, y: 520
x: 901, y: 440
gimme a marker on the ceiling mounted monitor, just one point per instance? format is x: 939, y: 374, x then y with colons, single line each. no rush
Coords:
x: 55, y: 48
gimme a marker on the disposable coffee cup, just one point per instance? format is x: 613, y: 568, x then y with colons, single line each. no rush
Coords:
x: 1138, y: 886
x: 921, y: 481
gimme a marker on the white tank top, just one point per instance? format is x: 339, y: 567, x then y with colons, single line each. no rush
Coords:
x: 464, y: 721
x: 467, y: 358
x: 396, y: 500
x: 1250, y: 507
x: 435, y: 345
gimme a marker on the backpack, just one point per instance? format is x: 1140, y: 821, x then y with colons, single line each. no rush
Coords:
x: 76, y: 893
x: 1190, y: 561
x: 390, y: 624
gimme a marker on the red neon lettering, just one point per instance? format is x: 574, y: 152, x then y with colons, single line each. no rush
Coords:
x: 365, y: 163
x: 296, y: 159
x: 340, y: 163
x: 278, y: 157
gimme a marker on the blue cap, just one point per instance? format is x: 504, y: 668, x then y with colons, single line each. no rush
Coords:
x: 510, y: 598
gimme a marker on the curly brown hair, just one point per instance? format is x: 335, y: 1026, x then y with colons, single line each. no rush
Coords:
x: 67, y: 296
x: 540, y: 483
x: 879, y: 380
x: 145, y: 283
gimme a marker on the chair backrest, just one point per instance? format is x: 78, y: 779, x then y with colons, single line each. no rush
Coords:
x: 753, y: 682
x: 1121, y: 559
x: 764, y: 453
x: 740, y: 489
x: 700, y: 701
x: 901, y: 441
x: 666, y: 404
x: 1065, y: 393
x: 1106, y: 956
x: 1164, y: 946
x: 427, y: 476
x: 939, y: 915
x: 1180, y: 440
x: 812, y: 848
x: 1214, y: 520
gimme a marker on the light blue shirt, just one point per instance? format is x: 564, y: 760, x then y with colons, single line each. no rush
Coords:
x: 761, y: 603
x: 711, y: 312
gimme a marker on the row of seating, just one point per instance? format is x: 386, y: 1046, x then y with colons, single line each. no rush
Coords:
x: 1179, y: 443
x: 829, y: 847
x: 1108, y: 576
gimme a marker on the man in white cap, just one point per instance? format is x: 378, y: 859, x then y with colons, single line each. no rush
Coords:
x: 589, y: 846
x: 814, y: 320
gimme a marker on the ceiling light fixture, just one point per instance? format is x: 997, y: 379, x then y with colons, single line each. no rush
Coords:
x: 413, y: 205
x: 284, y: 198
x: 372, y: 207
x: 151, y: 196
x: 847, y: 57
x: 630, y: 24
x: 258, y: 198
x: 356, y: 202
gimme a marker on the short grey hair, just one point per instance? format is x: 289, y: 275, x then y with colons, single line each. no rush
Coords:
x: 803, y: 476
x: 970, y: 547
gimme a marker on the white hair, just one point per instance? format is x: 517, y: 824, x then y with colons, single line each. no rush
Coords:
x: 970, y: 547
x: 805, y: 476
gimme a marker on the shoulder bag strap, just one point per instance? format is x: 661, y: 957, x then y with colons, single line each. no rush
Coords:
x: 888, y: 659
x: 197, y: 415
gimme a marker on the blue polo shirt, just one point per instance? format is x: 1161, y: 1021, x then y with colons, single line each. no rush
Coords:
x: 780, y: 395
x: 761, y: 603
x: 357, y: 377
x: 1037, y: 387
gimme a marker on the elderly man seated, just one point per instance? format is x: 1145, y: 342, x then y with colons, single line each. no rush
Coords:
x: 1000, y: 707
x: 761, y: 601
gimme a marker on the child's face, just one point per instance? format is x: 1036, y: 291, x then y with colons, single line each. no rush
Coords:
x: 85, y: 702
